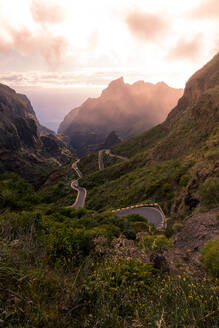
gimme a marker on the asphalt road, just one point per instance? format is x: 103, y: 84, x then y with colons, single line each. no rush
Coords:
x: 100, y: 159
x: 82, y: 192
x: 75, y: 167
x: 108, y: 152
x: 152, y: 214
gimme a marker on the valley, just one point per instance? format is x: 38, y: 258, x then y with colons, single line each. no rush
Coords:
x: 153, y: 214
x: 127, y: 234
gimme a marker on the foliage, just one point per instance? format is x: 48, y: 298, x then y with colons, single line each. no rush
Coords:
x: 127, y: 294
x: 15, y: 193
x: 89, y: 164
x: 51, y: 274
x: 210, y: 257
x: 209, y: 192
x: 123, y: 184
x: 157, y: 243
x: 109, y: 160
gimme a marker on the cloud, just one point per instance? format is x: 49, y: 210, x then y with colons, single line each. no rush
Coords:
x: 93, y: 40
x: 47, y: 12
x: 187, y: 49
x: 207, y: 9
x: 5, y: 46
x: 146, y: 26
x: 58, y: 79
x: 50, y: 47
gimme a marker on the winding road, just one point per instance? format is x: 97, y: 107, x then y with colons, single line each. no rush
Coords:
x: 100, y: 159
x: 82, y: 192
x: 152, y: 212
x: 108, y: 152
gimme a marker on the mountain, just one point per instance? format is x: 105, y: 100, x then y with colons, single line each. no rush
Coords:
x: 175, y: 163
x: 123, y: 108
x: 111, y: 140
x: 26, y: 147
x: 90, y: 267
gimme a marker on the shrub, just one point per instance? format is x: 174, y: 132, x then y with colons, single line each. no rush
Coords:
x: 156, y: 243
x: 209, y: 192
x: 210, y: 257
x: 125, y: 274
x: 20, y: 226
x: 184, y: 180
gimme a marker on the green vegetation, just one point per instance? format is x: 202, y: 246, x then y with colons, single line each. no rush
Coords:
x: 140, y: 143
x: 209, y: 192
x: 157, y: 243
x: 89, y: 164
x: 127, y: 294
x: 16, y: 194
x: 178, y: 184
x: 62, y: 267
x: 120, y: 185
x: 109, y: 160
x: 210, y: 257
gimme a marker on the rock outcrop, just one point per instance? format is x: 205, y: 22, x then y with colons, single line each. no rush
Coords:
x: 26, y: 147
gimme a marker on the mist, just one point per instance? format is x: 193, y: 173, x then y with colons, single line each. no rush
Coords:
x: 52, y: 104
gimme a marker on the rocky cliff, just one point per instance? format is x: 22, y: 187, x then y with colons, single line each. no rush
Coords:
x: 126, y: 109
x: 26, y: 147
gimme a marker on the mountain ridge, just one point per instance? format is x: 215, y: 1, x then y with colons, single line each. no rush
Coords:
x: 171, y: 163
x: 124, y: 108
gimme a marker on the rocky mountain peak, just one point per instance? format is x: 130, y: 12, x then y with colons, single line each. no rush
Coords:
x: 126, y: 108
x: 115, y: 86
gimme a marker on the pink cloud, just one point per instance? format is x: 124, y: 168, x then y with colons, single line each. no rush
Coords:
x: 46, y: 12
x: 187, y: 49
x: 207, y: 9
x: 93, y: 39
x: 146, y: 26
x: 50, y: 47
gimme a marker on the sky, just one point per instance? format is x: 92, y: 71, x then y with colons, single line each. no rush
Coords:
x: 68, y: 50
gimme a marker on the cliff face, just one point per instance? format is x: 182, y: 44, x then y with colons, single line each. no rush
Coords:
x: 126, y: 109
x: 195, y: 117
x: 26, y: 147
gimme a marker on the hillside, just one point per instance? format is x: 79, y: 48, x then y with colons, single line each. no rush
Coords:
x: 26, y: 147
x: 172, y: 163
x: 89, y: 267
x: 123, y: 108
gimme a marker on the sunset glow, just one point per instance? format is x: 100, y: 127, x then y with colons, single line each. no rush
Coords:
x: 81, y: 43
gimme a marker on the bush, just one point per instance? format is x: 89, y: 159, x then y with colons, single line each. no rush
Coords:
x: 157, y: 243
x: 209, y: 192
x: 125, y: 274
x: 127, y: 294
x: 210, y: 257
x: 184, y: 180
x: 15, y: 193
